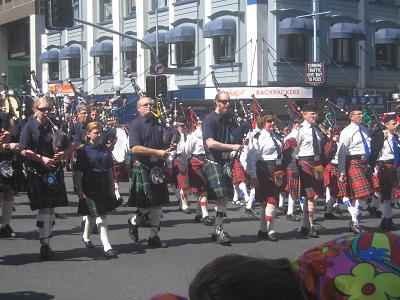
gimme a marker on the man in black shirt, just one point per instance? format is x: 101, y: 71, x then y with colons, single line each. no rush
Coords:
x: 148, y: 141
x: 217, y: 138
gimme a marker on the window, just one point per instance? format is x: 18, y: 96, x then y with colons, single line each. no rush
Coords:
x: 53, y: 71
x: 158, y: 4
x: 130, y: 7
x: 343, y: 51
x: 184, y: 54
x: 104, y: 65
x: 105, y: 10
x: 75, y: 7
x: 162, y: 57
x: 74, y: 68
x: 386, y: 55
x: 295, y: 46
x: 224, y: 49
x: 130, y: 62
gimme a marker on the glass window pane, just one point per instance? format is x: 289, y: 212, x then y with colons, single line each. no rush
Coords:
x: 184, y: 53
x: 130, y: 59
x: 53, y: 71
x: 74, y: 66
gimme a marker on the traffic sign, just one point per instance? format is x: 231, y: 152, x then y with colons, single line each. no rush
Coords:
x: 314, y: 72
x: 159, y: 68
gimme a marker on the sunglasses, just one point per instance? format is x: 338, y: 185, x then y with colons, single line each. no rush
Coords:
x: 223, y: 101
x: 269, y: 120
x: 44, y: 109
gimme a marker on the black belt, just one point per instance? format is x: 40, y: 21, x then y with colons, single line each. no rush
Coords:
x: 357, y: 157
x: 310, y: 158
x: 199, y: 156
x: 390, y: 161
x: 272, y: 161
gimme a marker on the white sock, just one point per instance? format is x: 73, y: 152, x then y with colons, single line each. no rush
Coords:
x: 376, y: 200
x: 116, y: 186
x: 327, y: 194
x: 52, y: 222
x: 281, y: 199
x: 221, y: 211
x: 136, y: 217
x: 263, y: 222
x: 351, y: 209
x: 89, y: 225
x: 203, y: 206
x: 235, y: 193
x: 243, y: 191
x: 290, y: 205
x: 43, y: 222
x: 270, y: 212
x: 184, y: 196
x: 102, y: 227
x: 301, y: 201
x: 7, y: 209
x: 252, y: 198
x: 155, y: 216
x: 387, y: 209
x: 358, y: 207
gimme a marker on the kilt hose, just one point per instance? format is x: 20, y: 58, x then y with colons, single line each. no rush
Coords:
x: 238, y: 173
x: 359, y: 184
x: 388, y: 183
x: 121, y: 172
x: 181, y: 180
x: 293, y: 185
x: 218, y: 184
x: 143, y: 192
x: 268, y: 191
x: 331, y: 179
x: 198, y: 180
x: 310, y: 186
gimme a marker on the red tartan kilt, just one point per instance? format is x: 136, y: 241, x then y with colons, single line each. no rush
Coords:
x: 198, y: 180
x: 121, y: 172
x: 310, y: 187
x: 388, y: 184
x: 182, y: 180
x: 293, y: 185
x: 359, y: 185
x: 331, y: 179
x: 375, y: 183
x: 238, y: 173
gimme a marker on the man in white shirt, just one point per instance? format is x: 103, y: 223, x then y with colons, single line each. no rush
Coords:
x: 354, y: 151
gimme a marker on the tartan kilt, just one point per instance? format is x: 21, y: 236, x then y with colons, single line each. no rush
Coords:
x: 388, y: 183
x: 181, y: 180
x: 198, y: 181
x: 331, y: 179
x: 359, y: 185
x: 310, y: 187
x: 121, y: 172
x: 218, y: 184
x: 293, y: 184
x: 143, y: 192
x: 267, y: 192
x: 96, y: 186
x: 238, y: 173
x: 43, y: 195
x: 375, y: 183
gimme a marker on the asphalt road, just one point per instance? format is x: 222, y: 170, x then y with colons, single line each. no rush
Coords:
x: 79, y: 273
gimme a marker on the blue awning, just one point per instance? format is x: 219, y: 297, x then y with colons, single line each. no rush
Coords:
x: 150, y: 38
x: 49, y: 56
x: 128, y: 45
x: 71, y: 52
x: 346, y: 31
x: 219, y: 26
x: 387, y: 36
x: 101, y: 49
x: 181, y: 33
x: 295, y: 26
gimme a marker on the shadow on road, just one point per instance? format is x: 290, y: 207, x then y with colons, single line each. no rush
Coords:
x: 25, y: 295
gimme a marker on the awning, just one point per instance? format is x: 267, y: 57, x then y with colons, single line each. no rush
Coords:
x: 71, y: 52
x: 295, y: 26
x: 346, y: 31
x: 101, y: 49
x: 150, y: 38
x: 128, y: 45
x: 181, y: 33
x: 387, y: 36
x: 219, y: 26
x: 49, y: 56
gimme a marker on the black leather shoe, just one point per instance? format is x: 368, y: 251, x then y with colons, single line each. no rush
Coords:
x: 356, y: 228
x: 45, y: 252
x: 110, y: 254
x: 155, y: 242
x: 7, y: 232
x: 330, y: 216
x: 208, y: 221
x: 396, y: 205
x: 187, y: 211
x: 374, y: 213
x: 305, y: 230
x: 262, y: 235
x: 251, y: 212
x: 292, y: 217
x: 313, y: 232
x: 221, y: 238
x: 387, y: 224
x: 88, y: 244
x: 198, y: 219
x: 120, y: 201
x: 272, y: 236
x: 133, y: 231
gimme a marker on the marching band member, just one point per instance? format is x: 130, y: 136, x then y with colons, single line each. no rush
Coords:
x: 46, y: 188
x: 149, y: 190
x: 216, y: 129
x: 354, y: 151
x: 194, y: 149
x: 95, y: 187
x: 263, y: 160
x: 310, y: 142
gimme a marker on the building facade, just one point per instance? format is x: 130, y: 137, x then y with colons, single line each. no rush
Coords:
x: 254, y: 47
